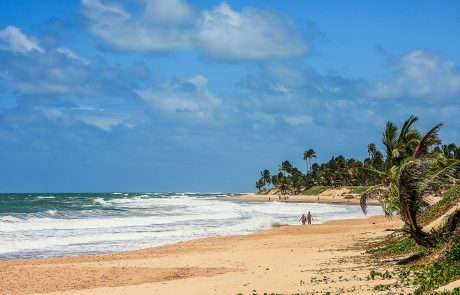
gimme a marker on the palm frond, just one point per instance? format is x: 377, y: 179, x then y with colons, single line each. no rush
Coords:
x: 370, y: 170
x: 389, y: 140
x: 406, y: 126
x: 422, y: 148
x: 377, y: 192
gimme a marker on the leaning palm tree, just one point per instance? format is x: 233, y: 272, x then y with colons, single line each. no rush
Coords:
x: 405, y: 188
x: 399, y: 145
x: 421, y: 176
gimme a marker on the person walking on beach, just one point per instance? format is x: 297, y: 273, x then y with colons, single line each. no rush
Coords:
x: 303, y: 219
x: 309, y: 217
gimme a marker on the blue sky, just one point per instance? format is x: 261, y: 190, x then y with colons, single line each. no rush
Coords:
x: 152, y: 95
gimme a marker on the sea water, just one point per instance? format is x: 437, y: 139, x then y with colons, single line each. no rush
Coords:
x: 48, y: 225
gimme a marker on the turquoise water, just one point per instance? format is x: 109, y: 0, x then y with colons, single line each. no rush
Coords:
x: 46, y: 225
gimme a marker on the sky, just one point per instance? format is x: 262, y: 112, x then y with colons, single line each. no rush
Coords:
x: 183, y: 95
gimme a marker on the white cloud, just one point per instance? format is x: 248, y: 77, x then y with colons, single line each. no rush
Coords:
x: 105, y: 123
x: 72, y: 55
x: 249, y: 34
x: 123, y: 31
x: 260, y: 118
x: 421, y: 74
x: 221, y: 33
x: 190, y: 99
x: 103, y: 119
x: 296, y: 120
x: 171, y: 12
x: 12, y: 39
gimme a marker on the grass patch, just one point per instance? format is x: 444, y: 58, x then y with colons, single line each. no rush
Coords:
x: 358, y: 189
x: 315, y: 190
x: 399, y: 246
x: 449, y: 199
x: 441, y: 272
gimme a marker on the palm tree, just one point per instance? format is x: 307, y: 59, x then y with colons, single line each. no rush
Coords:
x: 419, y: 177
x: 449, y: 150
x: 307, y: 156
x: 286, y: 166
x: 399, y: 146
x: 266, y: 176
x: 371, y: 149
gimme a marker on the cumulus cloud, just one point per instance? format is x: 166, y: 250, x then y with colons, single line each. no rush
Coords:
x: 249, y: 34
x: 60, y: 71
x: 297, y: 96
x: 221, y: 33
x: 12, y: 39
x: 160, y: 27
x: 420, y: 74
x: 190, y: 99
x: 51, y: 80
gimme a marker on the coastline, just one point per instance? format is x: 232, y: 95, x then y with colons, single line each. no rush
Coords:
x: 299, y: 255
x: 320, y: 199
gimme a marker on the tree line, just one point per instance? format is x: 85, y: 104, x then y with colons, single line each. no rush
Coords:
x: 398, y: 144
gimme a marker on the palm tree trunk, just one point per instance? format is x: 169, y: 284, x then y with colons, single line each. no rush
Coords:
x: 424, y: 239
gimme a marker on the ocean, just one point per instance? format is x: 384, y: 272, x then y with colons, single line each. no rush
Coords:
x: 50, y: 225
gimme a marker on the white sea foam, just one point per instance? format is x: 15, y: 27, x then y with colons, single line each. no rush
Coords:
x: 100, y: 201
x: 45, y: 197
x: 9, y: 218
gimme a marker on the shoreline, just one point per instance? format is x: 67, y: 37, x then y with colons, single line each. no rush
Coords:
x: 320, y: 199
x: 225, y: 264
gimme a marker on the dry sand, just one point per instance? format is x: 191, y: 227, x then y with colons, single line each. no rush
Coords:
x: 286, y: 260
x: 328, y: 198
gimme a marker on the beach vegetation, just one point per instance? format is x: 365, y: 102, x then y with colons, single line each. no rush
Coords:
x: 426, y: 268
x: 414, y: 176
x: 402, y: 245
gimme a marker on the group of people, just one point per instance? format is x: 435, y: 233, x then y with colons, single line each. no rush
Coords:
x: 285, y: 197
x: 306, y: 219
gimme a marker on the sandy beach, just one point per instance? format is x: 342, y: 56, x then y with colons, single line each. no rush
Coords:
x: 330, y: 196
x: 285, y: 260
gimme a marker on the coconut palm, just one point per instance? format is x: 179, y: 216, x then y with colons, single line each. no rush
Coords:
x: 418, y: 177
x: 266, y: 176
x: 307, y: 156
x: 402, y: 145
x: 286, y: 166
x: 371, y: 150
x: 399, y: 147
